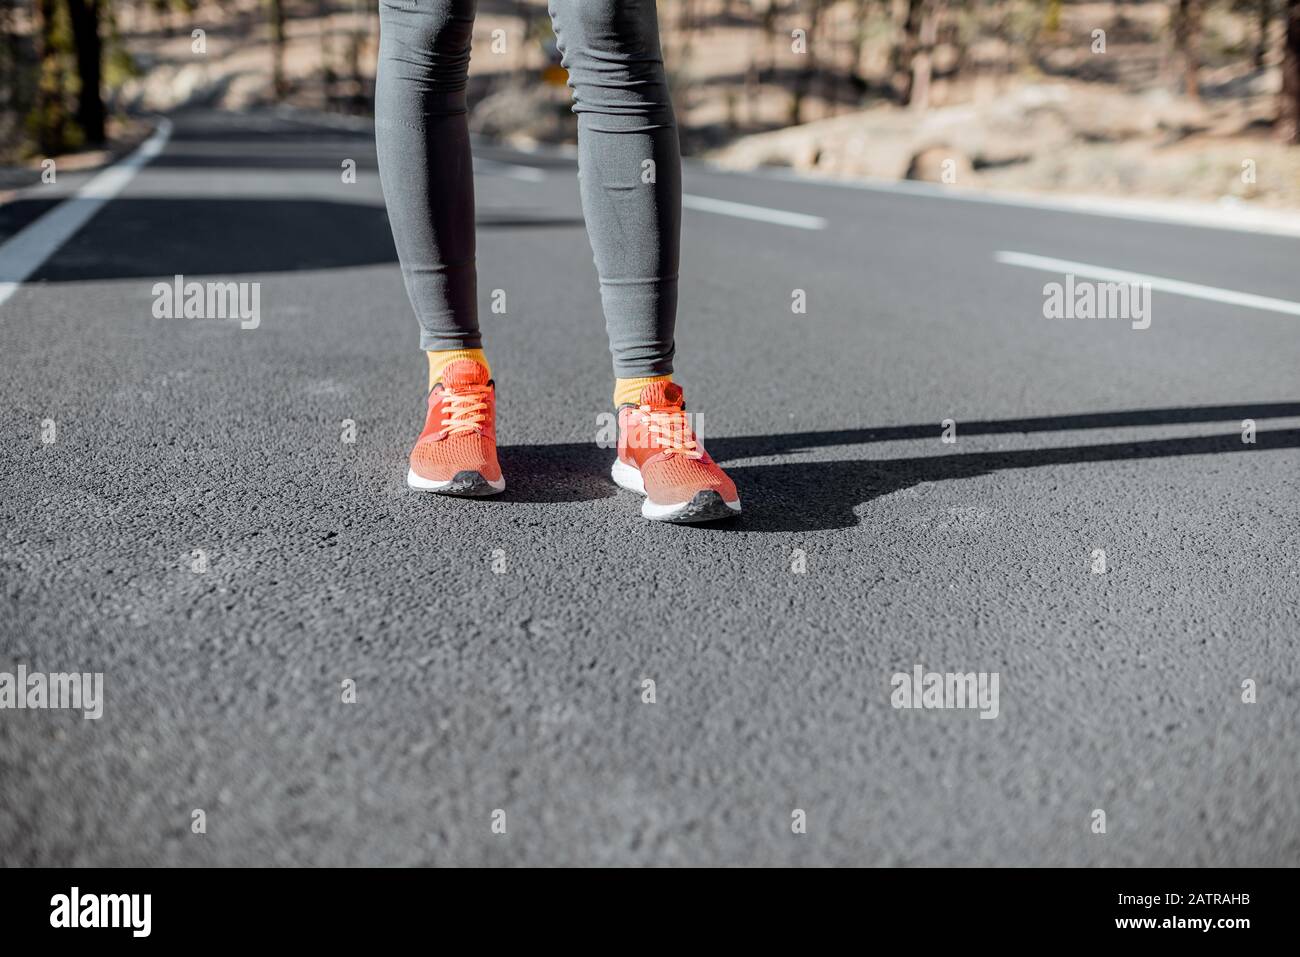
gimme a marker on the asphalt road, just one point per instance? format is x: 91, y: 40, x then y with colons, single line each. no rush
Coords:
x: 522, y: 690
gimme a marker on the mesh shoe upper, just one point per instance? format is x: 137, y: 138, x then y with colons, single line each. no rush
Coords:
x: 460, y: 428
x: 656, y: 437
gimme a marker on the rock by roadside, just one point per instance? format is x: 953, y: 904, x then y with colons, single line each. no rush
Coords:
x: 1058, y: 137
x: 524, y: 116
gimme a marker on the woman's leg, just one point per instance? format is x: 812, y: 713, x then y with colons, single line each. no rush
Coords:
x: 630, y: 172
x: 631, y: 178
x: 422, y: 140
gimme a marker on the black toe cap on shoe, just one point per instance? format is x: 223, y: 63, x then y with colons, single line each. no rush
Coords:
x: 706, y: 506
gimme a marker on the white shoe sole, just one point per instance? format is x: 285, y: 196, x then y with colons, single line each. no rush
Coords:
x: 707, y: 506
x: 467, y: 484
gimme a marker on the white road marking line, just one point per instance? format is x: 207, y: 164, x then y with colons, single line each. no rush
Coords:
x: 28, y: 249
x: 1237, y: 217
x: 745, y: 211
x: 1176, y: 286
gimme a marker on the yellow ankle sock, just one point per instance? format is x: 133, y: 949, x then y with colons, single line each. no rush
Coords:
x: 440, y: 360
x: 629, y: 390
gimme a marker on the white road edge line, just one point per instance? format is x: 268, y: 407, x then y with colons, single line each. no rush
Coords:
x: 762, y: 214
x: 28, y: 249
x: 1175, y: 286
x: 1235, y: 217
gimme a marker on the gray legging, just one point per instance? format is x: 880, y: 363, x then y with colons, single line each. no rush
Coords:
x: 625, y: 117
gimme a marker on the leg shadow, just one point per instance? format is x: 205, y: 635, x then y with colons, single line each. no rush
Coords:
x: 823, y: 495
x: 809, y: 496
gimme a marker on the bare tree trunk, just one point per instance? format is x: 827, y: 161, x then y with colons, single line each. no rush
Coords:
x: 904, y: 51
x: 11, y: 74
x: 769, y: 34
x: 803, y: 80
x: 861, y: 18
x: 685, y: 18
x: 49, y: 120
x: 1289, y: 120
x: 1261, y: 41
x: 823, y: 62
x: 1187, y: 31
x: 365, y: 16
x: 162, y: 10
x: 84, y: 15
x: 753, y: 82
x: 923, y: 62
x: 275, y: 15
x: 10, y: 56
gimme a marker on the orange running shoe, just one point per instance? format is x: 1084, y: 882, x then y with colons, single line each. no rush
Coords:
x: 456, y: 454
x: 659, y: 456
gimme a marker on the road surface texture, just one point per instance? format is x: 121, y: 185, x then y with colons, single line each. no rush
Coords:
x: 197, y: 527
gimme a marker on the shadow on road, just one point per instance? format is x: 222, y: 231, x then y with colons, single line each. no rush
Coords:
x: 755, y: 445
x: 159, y: 237
x: 810, y: 496
x: 570, y: 472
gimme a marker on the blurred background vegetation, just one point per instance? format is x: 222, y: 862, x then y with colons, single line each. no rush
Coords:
x: 1148, y: 96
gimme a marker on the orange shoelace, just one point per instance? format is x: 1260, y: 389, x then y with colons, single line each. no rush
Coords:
x: 466, y: 411
x: 670, y: 431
